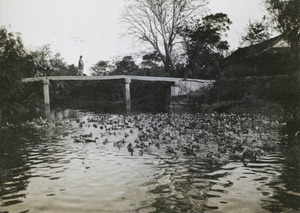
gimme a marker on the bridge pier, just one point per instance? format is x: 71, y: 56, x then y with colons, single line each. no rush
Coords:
x: 175, y: 89
x: 46, y: 84
x: 174, y: 92
x: 127, y: 96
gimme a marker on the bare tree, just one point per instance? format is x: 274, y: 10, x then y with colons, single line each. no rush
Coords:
x: 156, y: 22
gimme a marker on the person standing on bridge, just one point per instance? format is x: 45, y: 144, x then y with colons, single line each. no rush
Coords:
x: 80, y: 66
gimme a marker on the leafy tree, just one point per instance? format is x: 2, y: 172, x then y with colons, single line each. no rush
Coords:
x: 101, y: 68
x: 126, y: 66
x: 41, y: 58
x: 286, y: 15
x: 151, y: 65
x: 46, y: 64
x: 151, y: 60
x: 15, y: 65
x: 59, y: 66
x: 156, y: 22
x: 256, y: 32
x: 71, y: 70
x: 204, y: 45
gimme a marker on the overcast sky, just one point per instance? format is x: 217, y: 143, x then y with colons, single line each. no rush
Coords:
x: 92, y: 27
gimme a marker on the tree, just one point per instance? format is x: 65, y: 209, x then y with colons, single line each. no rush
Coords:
x: 156, y: 22
x: 256, y: 32
x: 101, y: 68
x: 151, y: 65
x: 71, y: 70
x: 58, y: 65
x: 126, y: 66
x: 15, y: 65
x: 46, y: 64
x: 41, y: 58
x: 286, y: 15
x: 204, y: 45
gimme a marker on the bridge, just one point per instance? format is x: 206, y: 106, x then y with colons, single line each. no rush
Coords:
x: 179, y: 86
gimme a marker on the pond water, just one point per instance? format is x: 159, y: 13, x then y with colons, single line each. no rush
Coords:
x: 52, y: 167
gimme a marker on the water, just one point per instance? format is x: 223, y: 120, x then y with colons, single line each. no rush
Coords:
x: 43, y: 169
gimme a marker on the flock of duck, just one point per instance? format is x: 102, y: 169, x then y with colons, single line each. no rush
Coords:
x: 214, y: 136
x: 218, y: 137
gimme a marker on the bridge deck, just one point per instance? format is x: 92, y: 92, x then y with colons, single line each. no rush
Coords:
x: 112, y: 77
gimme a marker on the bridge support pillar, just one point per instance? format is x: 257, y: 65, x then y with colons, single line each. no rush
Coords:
x: 174, y: 92
x: 46, y: 84
x: 127, y: 96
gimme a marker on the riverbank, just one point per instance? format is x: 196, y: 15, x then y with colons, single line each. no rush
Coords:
x: 272, y: 95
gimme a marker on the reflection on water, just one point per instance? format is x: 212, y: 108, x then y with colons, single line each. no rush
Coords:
x: 51, y: 169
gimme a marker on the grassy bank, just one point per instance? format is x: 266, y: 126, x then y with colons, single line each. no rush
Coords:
x: 268, y: 95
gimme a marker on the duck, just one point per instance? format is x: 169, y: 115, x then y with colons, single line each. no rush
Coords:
x: 88, y: 140
x: 105, y: 141
x: 211, y: 158
x: 141, y: 152
x: 143, y: 145
x: 196, y: 146
x: 118, y: 144
x: 222, y: 150
x: 170, y: 150
x: 79, y: 140
x: 210, y: 154
x: 123, y: 141
x: 189, y: 150
x: 87, y: 135
x: 157, y: 144
x: 130, y: 149
x: 249, y: 155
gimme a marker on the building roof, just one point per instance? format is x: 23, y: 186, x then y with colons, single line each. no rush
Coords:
x: 241, y: 54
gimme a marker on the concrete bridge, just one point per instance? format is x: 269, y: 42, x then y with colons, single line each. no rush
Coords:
x: 179, y: 86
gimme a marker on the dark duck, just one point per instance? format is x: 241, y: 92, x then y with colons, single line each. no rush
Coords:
x: 130, y: 149
x: 249, y: 155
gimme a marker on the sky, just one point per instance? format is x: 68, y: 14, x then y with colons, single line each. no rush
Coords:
x: 92, y: 28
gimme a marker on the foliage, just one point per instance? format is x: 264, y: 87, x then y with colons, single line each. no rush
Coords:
x: 151, y: 60
x: 101, y: 68
x: 151, y: 65
x: 46, y: 64
x: 126, y: 66
x: 204, y: 45
x: 41, y: 58
x: 156, y: 22
x: 263, y: 93
x: 15, y: 65
x: 17, y: 98
x: 293, y: 155
x: 286, y: 15
x: 256, y: 32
